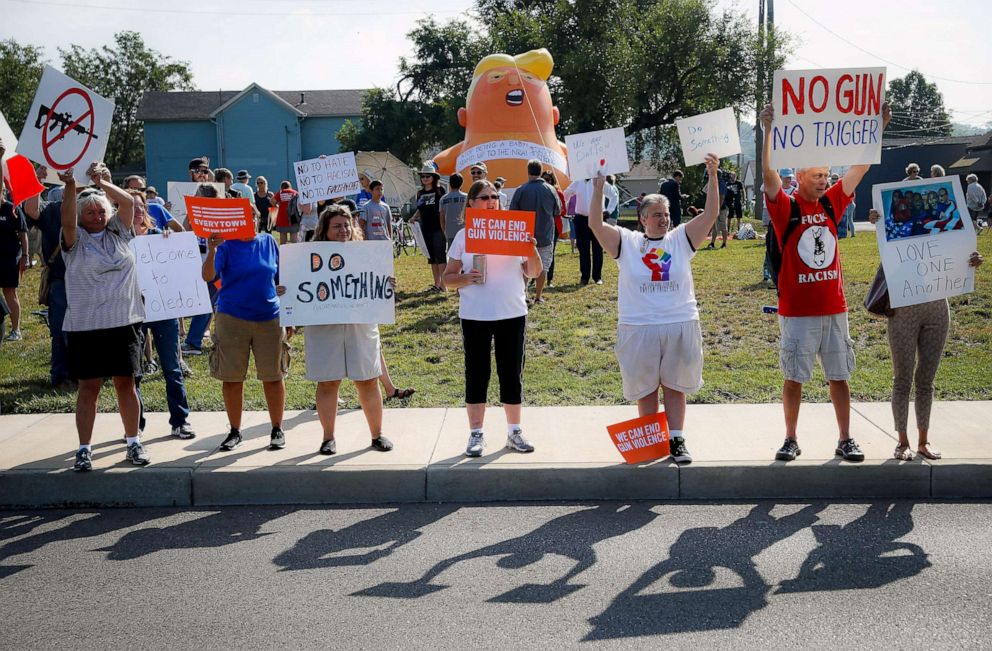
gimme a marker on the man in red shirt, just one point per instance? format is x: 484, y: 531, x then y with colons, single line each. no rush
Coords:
x: 811, y: 306
x: 283, y: 225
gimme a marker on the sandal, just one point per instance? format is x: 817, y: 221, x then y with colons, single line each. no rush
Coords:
x: 903, y: 453
x: 925, y: 451
x: 401, y: 394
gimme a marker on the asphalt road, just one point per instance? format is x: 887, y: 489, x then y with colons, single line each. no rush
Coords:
x: 851, y: 575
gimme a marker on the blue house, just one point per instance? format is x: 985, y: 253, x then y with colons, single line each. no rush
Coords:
x: 256, y: 129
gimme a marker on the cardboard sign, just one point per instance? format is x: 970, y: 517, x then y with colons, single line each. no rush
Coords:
x: 642, y: 439
x: 709, y: 133
x: 503, y: 149
x: 925, y: 237
x: 336, y: 282
x: 827, y: 117
x: 176, y: 191
x: 597, y: 152
x: 232, y: 219
x: 320, y: 179
x: 499, y: 232
x: 169, y: 276
x: 67, y: 126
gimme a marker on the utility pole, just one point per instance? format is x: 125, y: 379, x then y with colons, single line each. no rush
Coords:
x: 759, y: 103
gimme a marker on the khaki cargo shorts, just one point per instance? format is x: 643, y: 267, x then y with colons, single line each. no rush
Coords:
x: 804, y: 338
x: 235, y: 340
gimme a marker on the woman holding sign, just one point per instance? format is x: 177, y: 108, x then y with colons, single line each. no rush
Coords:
x: 659, y: 342
x: 493, y: 312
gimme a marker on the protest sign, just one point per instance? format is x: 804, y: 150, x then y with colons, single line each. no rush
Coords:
x: 336, y: 282
x: 319, y: 179
x: 925, y: 237
x: 232, y: 219
x: 827, y: 117
x: 597, y: 152
x: 641, y: 439
x: 499, y: 232
x: 418, y: 237
x: 67, y: 126
x: 177, y: 190
x: 169, y: 276
x: 709, y: 133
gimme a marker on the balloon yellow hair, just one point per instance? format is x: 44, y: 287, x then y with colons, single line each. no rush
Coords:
x: 537, y: 62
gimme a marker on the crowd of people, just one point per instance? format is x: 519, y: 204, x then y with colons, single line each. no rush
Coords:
x: 97, y: 322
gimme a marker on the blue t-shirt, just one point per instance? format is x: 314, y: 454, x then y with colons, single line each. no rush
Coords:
x: 160, y: 216
x: 248, y: 273
x: 364, y: 196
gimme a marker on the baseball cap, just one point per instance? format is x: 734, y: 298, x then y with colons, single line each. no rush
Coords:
x: 197, y: 163
x: 481, y: 166
x: 786, y: 171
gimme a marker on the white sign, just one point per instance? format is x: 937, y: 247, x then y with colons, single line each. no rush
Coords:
x: 169, y: 276
x: 336, y: 282
x: 418, y: 237
x: 510, y: 149
x: 925, y: 237
x: 709, y: 133
x: 68, y: 125
x: 827, y: 117
x: 320, y: 179
x: 177, y: 190
x: 10, y: 144
x: 597, y: 152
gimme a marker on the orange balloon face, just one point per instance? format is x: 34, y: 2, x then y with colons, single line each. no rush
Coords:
x: 503, y: 98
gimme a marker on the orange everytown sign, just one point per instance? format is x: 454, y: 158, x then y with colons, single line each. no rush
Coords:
x: 499, y: 232
x: 641, y: 439
x: 232, y: 219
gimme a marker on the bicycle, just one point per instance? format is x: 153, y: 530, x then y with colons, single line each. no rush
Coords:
x: 402, y: 237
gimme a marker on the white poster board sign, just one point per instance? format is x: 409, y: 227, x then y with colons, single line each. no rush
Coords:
x: 169, y: 276
x: 177, y: 190
x: 709, y: 133
x: 418, y: 237
x: 320, y: 179
x: 925, y: 237
x: 68, y: 125
x: 597, y: 152
x: 827, y: 117
x: 336, y: 282
x: 10, y: 144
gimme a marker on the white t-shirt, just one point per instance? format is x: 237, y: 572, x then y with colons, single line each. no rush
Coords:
x: 655, y: 284
x: 502, y: 296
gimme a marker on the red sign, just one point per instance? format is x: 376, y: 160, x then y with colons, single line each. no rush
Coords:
x: 499, y: 232
x: 47, y: 140
x: 232, y: 219
x: 21, y: 179
x: 642, y: 439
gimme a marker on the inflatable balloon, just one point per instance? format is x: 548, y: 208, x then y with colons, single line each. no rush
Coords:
x: 508, y: 118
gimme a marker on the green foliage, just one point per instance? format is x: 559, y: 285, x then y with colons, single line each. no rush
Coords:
x: 917, y: 108
x: 402, y: 128
x: 123, y: 72
x: 20, y: 72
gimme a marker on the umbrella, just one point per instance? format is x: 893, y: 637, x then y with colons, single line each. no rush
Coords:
x: 398, y: 181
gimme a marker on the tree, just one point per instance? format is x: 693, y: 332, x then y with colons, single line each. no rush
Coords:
x: 917, y: 108
x: 404, y: 128
x: 20, y: 72
x: 123, y: 73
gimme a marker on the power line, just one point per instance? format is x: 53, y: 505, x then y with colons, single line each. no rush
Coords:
x: 230, y: 14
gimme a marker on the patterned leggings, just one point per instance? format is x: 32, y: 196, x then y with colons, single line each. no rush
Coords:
x: 916, y: 330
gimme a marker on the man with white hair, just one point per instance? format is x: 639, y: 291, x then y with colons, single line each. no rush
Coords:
x: 975, y: 197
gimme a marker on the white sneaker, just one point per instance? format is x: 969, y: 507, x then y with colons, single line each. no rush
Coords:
x: 15, y: 335
x: 515, y: 441
x: 475, y: 445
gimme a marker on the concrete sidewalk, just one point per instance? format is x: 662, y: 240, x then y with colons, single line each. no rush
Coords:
x: 733, y: 447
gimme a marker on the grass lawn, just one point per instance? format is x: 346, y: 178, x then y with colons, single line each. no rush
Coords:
x: 570, y: 341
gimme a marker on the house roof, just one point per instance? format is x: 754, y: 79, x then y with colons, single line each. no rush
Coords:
x: 201, y: 105
x: 643, y: 170
x: 913, y: 142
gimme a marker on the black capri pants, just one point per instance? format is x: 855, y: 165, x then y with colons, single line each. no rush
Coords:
x: 479, y: 338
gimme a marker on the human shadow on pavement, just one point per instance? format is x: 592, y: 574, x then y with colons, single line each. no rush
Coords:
x: 684, y: 602
x: 572, y: 536
x: 370, y: 539
x: 862, y: 554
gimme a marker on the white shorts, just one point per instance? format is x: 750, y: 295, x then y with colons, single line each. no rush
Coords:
x: 806, y: 337
x: 669, y: 355
x: 336, y: 352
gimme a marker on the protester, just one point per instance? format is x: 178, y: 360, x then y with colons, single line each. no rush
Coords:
x: 504, y: 201
x: 672, y: 190
x: 288, y: 220
x: 540, y: 198
x: 917, y: 336
x: 453, y: 208
x: 659, y: 341
x: 721, y: 227
x: 104, y: 313
x: 590, y: 251
x: 975, y: 198
x: 340, y: 351
x: 365, y: 179
x: 614, y: 216
x: 493, y: 312
x: 193, y: 343
x: 812, y: 307
x: 241, y: 186
x: 161, y: 218
x: 429, y: 216
x: 912, y: 172
x: 265, y: 201
x: 735, y: 202
x: 375, y: 217
x: 560, y: 219
x: 478, y: 172
x: 14, y: 258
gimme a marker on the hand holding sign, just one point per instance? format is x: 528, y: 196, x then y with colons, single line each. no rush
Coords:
x: 230, y: 219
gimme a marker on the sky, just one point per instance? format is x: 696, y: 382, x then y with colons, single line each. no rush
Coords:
x: 326, y: 44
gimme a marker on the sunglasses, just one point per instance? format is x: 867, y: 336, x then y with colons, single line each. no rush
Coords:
x: 476, y: 172
x: 90, y: 193
x: 488, y: 197
x: 202, y: 170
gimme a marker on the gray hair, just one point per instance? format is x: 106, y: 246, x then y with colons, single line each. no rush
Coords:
x: 82, y: 203
x: 971, y: 178
x: 651, y: 199
x: 937, y: 170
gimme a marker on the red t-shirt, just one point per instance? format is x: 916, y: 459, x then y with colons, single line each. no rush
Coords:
x: 810, y: 282
x: 284, y: 197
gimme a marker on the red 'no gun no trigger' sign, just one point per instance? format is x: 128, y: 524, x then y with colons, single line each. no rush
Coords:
x: 67, y: 126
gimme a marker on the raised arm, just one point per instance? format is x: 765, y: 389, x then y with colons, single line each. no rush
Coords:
x: 857, y: 172
x: 770, y: 178
x: 207, y: 271
x: 100, y: 175
x: 699, y: 227
x: 607, y: 235
x: 68, y: 209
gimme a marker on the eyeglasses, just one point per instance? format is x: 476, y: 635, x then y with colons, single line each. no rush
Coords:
x: 488, y: 197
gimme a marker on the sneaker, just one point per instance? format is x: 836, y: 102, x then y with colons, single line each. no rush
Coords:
x: 278, y: 440
x: 849, y: 450
x: 515, y: 441
x: 710, y: 246
x: 189, y: 349
x: 184, y: 432
x: 475, y: 445
x: 232, y: 441
x: 84, y: 461
x: 136, y: 454
x: 679, y: 452
x: 185, y: 369
x: 382, y: 444
x: 789, y: 450
x: 15, y: 335
x: 328, y: 447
